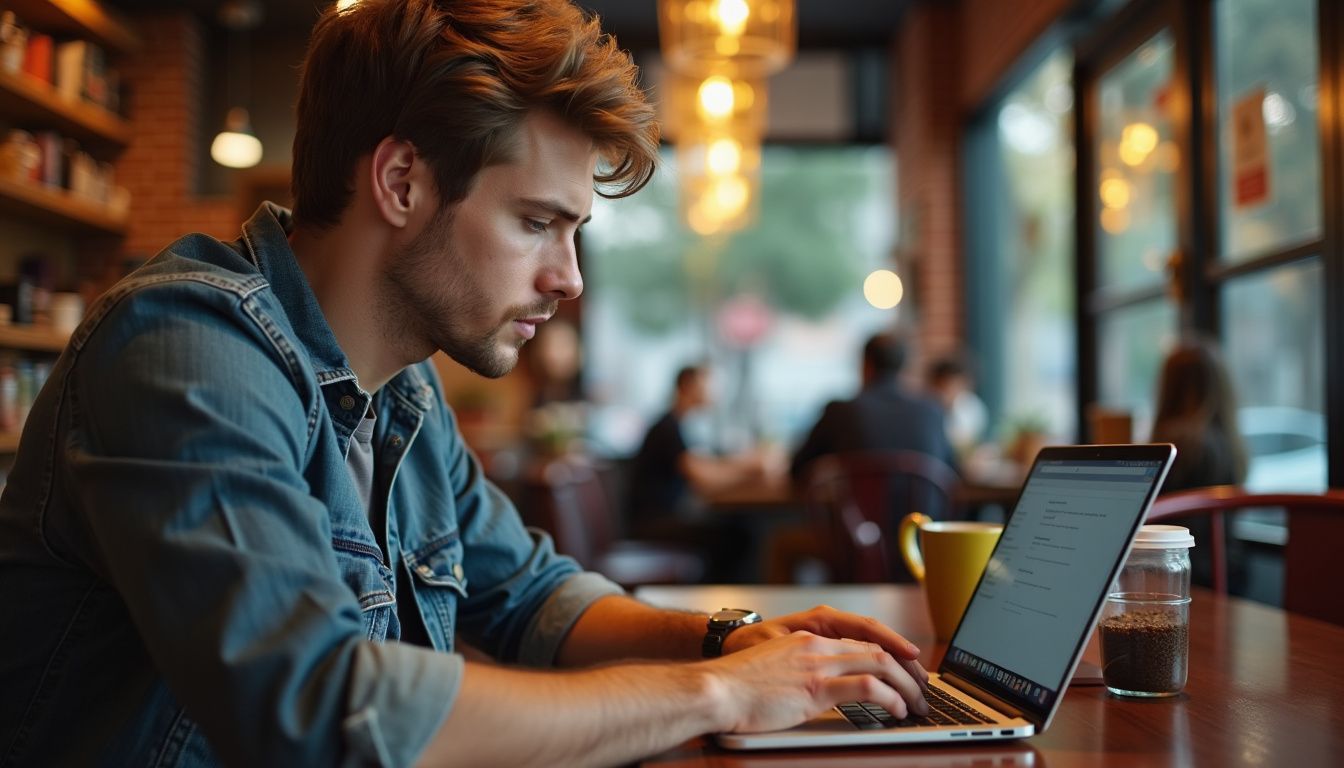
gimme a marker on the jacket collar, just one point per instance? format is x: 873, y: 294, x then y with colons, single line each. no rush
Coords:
x: 266, y: 240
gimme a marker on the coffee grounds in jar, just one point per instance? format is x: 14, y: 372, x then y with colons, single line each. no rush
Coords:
x: 1144, y: 651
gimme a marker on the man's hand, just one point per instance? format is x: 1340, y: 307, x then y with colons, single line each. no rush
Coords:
x: 828, y: 622
x: 795, y: 676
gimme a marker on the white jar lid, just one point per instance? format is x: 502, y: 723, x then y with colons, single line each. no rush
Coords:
x: 1164, y: 537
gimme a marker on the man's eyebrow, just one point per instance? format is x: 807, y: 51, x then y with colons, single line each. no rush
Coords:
x: 557, y: 209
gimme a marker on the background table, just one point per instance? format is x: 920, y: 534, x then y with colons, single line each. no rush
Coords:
x: 1266, y: 688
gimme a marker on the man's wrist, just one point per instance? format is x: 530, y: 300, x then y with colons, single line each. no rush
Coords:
x: 716, y: 695
x: 723, y: 623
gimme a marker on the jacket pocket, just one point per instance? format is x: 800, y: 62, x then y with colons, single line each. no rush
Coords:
x: 363, y: 571
x: 440, y: 581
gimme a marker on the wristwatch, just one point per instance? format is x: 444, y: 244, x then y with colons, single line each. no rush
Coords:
x: 721, y: 623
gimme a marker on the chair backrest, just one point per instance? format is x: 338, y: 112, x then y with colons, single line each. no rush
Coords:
x: 1310, y: 557
x: 568, y: 501
x: 858, y: 498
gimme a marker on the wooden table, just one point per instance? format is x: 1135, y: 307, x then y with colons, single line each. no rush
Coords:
x: 1266, y: 688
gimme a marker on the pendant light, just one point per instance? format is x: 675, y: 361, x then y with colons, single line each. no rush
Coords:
x: 754, y: 37
x: 237, y: 146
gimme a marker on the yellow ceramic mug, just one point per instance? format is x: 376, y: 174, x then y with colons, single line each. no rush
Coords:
x: 948, y: 561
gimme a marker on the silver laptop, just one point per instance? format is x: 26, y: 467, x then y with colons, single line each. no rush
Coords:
x: 1025, y: 628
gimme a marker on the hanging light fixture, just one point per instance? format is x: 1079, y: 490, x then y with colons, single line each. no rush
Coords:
x: 719, y: 182
x: 237, y: 146
x: 718, y: 124
x: 755, y: 37
x: 715, y: 100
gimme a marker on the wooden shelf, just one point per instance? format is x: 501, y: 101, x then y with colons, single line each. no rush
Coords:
x: 41, y: 338
x: 85, y: 19
x: 26, y: 99
x: 58, y: 207
x: 9, y: 442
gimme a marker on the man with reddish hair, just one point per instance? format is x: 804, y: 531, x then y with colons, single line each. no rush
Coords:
x: 241, y: 526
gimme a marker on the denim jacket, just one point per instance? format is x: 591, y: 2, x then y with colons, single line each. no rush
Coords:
x: 190, y: 575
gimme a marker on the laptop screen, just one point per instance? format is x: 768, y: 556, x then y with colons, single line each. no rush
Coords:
x: 1054, y: 562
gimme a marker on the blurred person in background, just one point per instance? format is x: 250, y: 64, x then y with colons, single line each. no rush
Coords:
x: 884, y: 416
x: 670, y: 482
x: 949, y: 382
x: 1197, y: 412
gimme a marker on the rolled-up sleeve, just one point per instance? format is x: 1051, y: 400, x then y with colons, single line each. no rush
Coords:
x: 398, y: 699
x: 550, y: 626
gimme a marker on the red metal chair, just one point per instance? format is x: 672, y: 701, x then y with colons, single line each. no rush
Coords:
x: 857, y: 499
x: 1311, y: 556
x: 566, y: 498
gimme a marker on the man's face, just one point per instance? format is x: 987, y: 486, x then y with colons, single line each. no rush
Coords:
x: 697, y: 390
x: 483, y: 274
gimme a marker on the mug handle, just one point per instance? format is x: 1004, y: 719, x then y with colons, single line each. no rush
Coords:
x: 906, y: 537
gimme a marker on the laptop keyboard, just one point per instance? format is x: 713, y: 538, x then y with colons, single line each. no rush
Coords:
x: 943, y: 710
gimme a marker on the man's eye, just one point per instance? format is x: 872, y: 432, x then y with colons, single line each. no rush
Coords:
x: 536, y: 225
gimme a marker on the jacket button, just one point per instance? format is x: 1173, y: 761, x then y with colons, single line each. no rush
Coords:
x: 396, y: 441
x: 347, y: 402
x: 457, y: 571
x: 425, y: 570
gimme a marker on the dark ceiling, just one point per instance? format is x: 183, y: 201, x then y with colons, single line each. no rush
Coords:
x: 822, y: 23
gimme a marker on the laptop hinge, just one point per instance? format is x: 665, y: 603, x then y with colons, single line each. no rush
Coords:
x: 981, y: 694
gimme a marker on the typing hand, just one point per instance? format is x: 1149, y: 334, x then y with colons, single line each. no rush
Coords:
x: 828, y: 622
x: 794, y: 677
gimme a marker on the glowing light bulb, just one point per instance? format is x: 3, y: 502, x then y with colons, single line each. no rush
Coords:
x: 1115, y: 193
x: 716, y: 98
x: 883, y: 289
x: 732, y: 16
x: 724, y: 157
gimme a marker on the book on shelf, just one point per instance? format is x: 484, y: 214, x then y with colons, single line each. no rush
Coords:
x: 37, y: 58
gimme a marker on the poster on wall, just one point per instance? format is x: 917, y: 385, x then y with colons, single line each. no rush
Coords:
x: 1250, y: 151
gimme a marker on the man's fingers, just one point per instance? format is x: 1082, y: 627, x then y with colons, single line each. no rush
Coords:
x: 839, y: 690
x: 828, y: 621
x: 878, y: 663
x: 917, y: 671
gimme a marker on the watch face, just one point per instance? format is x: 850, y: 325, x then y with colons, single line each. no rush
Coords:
x: 729, y: 615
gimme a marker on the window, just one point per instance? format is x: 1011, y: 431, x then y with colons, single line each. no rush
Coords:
x: 1272, y: 304
x: 1035, y: 250
x: 1267, y: 53
x: 778, y: 309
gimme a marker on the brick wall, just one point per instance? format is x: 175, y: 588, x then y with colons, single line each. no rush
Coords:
x: 161, y: 166
x: 926, y: 127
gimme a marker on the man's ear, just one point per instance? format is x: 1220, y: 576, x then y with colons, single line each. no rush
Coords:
x: 398, y: 180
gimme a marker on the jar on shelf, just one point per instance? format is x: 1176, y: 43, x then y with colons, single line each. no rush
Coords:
x: 1145, y: 638
x: 20, y: 156
x: 13, y: 42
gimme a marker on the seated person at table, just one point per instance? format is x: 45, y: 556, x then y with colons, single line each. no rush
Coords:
x: 669, y: 483
x: 949, y: 382
x: 1197, y: 412
x: 241, y: 527
x: 884, y: 416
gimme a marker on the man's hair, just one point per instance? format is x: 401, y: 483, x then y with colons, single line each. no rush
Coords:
x: 456, y: 79
x: 884, y: 354
x: 949, y: 367
x: 687, y: 373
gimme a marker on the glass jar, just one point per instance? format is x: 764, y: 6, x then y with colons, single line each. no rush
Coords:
x: 1145, y: 639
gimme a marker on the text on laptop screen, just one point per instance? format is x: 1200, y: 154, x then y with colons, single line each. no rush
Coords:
x: 1041, y: 586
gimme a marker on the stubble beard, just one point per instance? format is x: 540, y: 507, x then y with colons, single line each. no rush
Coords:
x: 423, y: 307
